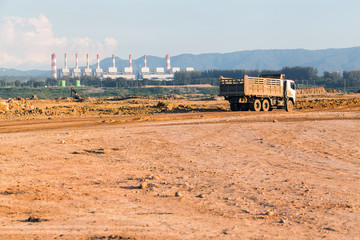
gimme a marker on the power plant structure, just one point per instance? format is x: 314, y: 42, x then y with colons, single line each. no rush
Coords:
x: 98, y: 70
x: 113, y: 73
x: 159, y: 73
x: 76, y: 71
x: 65, y: 72
x: 87, y: 70
x: 53, y: 66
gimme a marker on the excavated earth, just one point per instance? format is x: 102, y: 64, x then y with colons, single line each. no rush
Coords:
x: 175, y: 168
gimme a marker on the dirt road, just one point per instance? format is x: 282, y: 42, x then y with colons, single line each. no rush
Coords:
x: 182, y: 176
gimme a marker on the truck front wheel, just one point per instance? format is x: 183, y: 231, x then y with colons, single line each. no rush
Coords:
x: 289, y: 105
x: 256, y: 106
x: 265, y: 105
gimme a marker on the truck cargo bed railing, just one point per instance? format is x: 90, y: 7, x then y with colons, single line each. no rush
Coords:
x: 231, y: 81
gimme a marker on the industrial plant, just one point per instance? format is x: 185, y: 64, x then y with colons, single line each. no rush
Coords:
x: 159, y: 73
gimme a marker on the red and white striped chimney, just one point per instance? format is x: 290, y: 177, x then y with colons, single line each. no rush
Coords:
x: 113, y: 60
x: 53, y: 65
x: 144, y: 60
x: 168, y: 62
x: 98, y: 60
x: 87, y: 61
x: 77, y: 61
x: 65, y: 61
x: 130, y: 61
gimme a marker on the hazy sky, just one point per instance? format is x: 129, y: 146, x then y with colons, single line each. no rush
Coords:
x: 31, y: 30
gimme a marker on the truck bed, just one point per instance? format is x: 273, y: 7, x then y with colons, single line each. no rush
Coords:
x: 251, y: 86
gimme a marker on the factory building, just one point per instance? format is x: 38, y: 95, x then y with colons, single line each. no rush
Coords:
x: 98, y: 70
x: 127, y: 74
x: 65, y: 72
x: 159, y: 73
x: 112, y: 70
x: 128, y: 71
x: 76, y: 71
x: 87, y: 70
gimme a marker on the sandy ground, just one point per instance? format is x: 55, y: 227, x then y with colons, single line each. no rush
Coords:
x: 225, y: 175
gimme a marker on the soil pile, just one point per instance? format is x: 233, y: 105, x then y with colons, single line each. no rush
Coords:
x: 313, y: 90
x: 326, y: 103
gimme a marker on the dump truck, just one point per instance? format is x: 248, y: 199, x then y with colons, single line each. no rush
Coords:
x: 262, y: 93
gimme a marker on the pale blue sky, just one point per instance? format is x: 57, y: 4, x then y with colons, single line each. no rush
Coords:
x: 32, y: 30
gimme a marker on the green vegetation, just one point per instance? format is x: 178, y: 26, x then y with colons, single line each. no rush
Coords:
x: 303, y: 76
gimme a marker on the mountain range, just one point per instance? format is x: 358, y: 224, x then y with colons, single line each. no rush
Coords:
x: 324, y: 60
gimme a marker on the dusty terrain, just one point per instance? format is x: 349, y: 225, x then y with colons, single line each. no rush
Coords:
x: 179, y: 169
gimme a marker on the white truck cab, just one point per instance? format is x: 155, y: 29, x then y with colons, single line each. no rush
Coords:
x: 291, y: 90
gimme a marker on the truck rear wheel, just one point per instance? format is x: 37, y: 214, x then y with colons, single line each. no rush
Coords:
x: 256, y: 106
x: 265, y: 105
x: 234, y: 106
x: 244, y: 107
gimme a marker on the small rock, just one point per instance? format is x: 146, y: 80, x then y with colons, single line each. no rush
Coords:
x: 275, y: 120
x: 282, y: 221
x: 143, y: 185
x: 178, y: 194
x: 200, y: 196
x: 270, y: 214
x: 63, y: 142
x: 157, y: 177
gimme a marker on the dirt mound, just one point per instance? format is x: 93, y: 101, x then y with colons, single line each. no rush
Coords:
x: 173, y: 96
x: 4, y: 107
x: 333, y: 91
x: 326, y: 103
x: 313, y: 90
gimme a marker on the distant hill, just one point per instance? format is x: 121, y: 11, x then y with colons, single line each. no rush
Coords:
x: 29, y: 73
x: 324, y: 60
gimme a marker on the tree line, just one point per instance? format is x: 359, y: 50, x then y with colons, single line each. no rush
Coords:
x: 303, y: 76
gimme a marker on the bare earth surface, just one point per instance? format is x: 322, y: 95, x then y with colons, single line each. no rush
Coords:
x: 211, y: 175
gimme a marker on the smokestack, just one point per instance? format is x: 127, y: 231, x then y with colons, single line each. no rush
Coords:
x: 130, y: 61
x: 87, y: 61
x: 98, y: 64
x: 53, y: 65
x: 113, y: 60
x: 144, y: 60
x: 77, y: 61
x: 168, y: 62
x: 65, y: 61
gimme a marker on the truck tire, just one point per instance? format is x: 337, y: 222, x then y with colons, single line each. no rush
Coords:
x: 234, y: 107
x: 289, y: 105
x: 256, y: 105
x: 244, y: 107
x: 265, y: 105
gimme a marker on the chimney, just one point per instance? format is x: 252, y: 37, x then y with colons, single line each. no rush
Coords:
x: 66, y: 61
x: 168, y: 63
x: 144, y: 60
x: 130, y: 61
x: 53, y: 65
x: 113, y: 61
x: 87, y: 61
x: 98, y: 62
x: 77, y: 61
